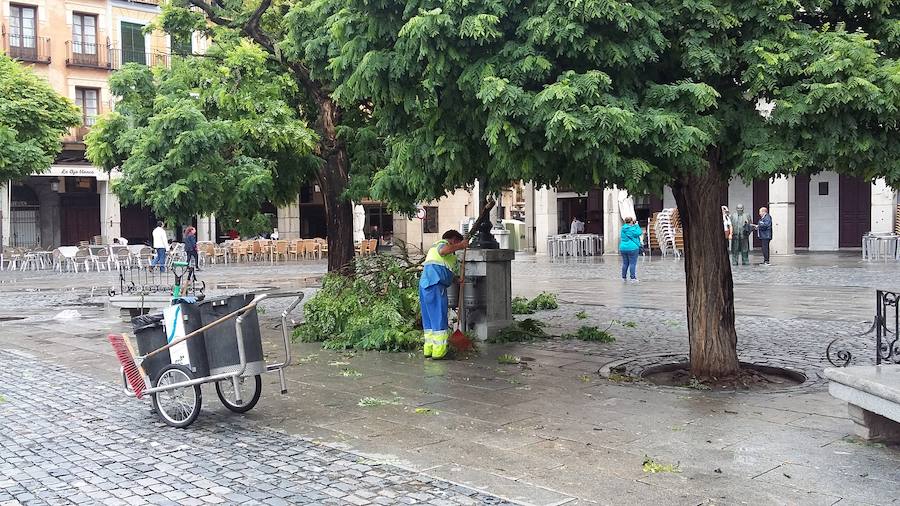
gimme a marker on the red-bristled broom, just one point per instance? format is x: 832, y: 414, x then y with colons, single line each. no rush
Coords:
x: 134, y: 373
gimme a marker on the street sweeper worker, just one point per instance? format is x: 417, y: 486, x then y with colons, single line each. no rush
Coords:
x: 437, y: 275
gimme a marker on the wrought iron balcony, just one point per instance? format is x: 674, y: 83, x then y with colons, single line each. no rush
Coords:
x: 27, y: 49
x: 100, y: 56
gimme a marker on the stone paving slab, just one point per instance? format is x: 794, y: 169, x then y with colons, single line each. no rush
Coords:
x: 68, y: 439
x: 584, y: 437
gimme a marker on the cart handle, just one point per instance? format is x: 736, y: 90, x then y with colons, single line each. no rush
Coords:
x: 206, y: 327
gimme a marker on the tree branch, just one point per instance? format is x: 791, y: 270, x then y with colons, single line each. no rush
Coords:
x: 211, y: 13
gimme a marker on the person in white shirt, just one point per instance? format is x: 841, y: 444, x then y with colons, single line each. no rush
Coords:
x: 161, y: 245
x: 274, y: 235
x: 577, y: 226
x: 121, y: 241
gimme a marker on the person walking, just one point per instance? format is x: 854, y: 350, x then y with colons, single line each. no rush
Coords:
x: 437, y: 275
x: 190, y: 246
x: 764, y: 232
x: 160, y: 244
x: 629, y: 247
x: 740, y: 236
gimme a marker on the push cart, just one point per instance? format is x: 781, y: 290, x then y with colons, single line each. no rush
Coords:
x: 231, y: 358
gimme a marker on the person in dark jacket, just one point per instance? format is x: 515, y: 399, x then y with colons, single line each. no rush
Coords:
x: 764, y: 232
x: 629, y: 246
x: 190, y: 246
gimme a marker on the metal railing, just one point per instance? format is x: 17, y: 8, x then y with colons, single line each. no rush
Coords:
x: 887, y: 333
x: 28, y: 49
x: 101, y: 56
x: 105, y: 56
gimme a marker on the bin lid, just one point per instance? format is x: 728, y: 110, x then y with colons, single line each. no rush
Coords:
x: 146, y: 321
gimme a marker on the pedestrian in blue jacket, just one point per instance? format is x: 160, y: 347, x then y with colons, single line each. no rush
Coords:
x: 629, y: 247
x: 764, y: 232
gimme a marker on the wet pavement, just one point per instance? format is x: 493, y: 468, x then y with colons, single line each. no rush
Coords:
x: 550, y: 431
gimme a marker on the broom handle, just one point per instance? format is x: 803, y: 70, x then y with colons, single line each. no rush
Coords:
x: 202, y: 329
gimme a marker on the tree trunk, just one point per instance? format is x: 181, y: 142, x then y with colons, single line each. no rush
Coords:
x: 334, y: 176
x: 710, y: 291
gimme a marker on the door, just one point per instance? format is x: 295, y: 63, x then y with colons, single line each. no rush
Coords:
x: 25, y: 224
x: 854, y: 211
x: 801, y: 211
x: 594, y: 212
x: 79, y: 218
x: 23, y: 32
x: 760, y: 198
x: 133, y: 47
x: 84, y: 39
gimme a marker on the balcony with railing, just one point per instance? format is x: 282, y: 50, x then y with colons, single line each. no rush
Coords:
x: 99, y: 56
x: 25, y: 48
x: 104, y: 56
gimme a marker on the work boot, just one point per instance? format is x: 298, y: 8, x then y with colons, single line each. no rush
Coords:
x: 427, y: 349
x: 438, y: 351
x: 439, y: 344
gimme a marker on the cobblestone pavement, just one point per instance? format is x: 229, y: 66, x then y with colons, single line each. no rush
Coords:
x: 69, y: 440
x: 548, y: 431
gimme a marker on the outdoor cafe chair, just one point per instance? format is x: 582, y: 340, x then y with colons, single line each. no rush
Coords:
x: 82, y: 257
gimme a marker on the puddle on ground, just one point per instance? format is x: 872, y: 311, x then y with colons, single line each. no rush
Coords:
x: 10, y: 318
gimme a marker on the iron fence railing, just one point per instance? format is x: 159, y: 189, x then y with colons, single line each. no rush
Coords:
x: 887, y: 334
x: 28, y: 49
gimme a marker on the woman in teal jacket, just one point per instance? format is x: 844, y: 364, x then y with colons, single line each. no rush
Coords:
x: 629, y: 246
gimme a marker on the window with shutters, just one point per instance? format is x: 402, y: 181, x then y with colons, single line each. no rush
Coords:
x: 133, y: 44
x: 84, y: 39
x: 23, y: 31
x: 88, y: 99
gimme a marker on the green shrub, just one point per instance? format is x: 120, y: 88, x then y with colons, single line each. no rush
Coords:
x: 520, y: 306
x: 545, y: 300
x: 376, y: 309
x: 528, y: 329
x: 593, y: 334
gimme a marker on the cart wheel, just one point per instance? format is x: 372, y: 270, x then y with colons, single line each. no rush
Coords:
x: 225, y: 389
x: 181, y: 406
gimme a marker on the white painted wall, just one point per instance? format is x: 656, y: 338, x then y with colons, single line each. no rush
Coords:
x: 668, y: 198
x: 823, y: 213
x: 883, y: 208
x: 5, y: 204
x: 545, y: 225
x: 451, y: 211
x: 612, y: 221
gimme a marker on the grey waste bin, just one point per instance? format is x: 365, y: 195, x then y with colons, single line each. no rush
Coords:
x: 150, y: 332
x: 221, y: 340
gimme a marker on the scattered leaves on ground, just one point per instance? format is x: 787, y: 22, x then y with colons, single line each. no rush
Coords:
x: 528, y: 329
x: 338, y: 363
x: 696, y: 384
x: 545, y: 300
x: 591, y: 334
x: 2, y: 399
x: 625, y: 323
x: 622, y: 378
x: 862, y: 442
x: 309, y: 358
x: 506, y: 358
x: 425, y: 411
x: 581, y: 315
x: 367, y: 402
x: 520, y: 306
x: 653, y: 467
x: 585, y: 378
x: 350, y: 373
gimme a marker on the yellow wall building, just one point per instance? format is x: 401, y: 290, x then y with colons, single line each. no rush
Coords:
x: 75, y: 45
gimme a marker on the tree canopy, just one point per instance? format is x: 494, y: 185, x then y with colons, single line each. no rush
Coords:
x: 638, y: 94
x: 210, y: 135
x: 33, y: 119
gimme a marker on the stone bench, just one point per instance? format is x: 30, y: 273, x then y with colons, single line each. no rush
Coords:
x: 873, y: 396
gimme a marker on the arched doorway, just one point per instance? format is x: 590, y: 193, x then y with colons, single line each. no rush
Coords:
x: 24, y: 217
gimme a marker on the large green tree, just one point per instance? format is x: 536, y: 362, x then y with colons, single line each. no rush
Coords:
x: 288, y: 32
x: 210, y: 135
x: 637, y: 94
x: 33, y: 119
